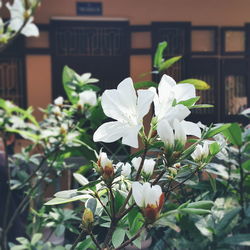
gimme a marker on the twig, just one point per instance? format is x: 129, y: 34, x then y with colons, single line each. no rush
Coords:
x: 104, y: 207
x: 95, y: 241
x: 78, y: 239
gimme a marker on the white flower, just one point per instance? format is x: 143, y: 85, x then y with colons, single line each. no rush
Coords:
x: 127, y: 109
x: 201, y: 152
x: 85, y: 78
x: 87, y: 97
x: 148, y: 165
x: 168, y: 91
x: 18, y: 15
x: 59, y: 101
x: 56, y: 110
x: 150, y: 199
x: 168, y: 136
x: 126, y: 168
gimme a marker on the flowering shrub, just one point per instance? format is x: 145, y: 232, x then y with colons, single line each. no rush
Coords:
x: 128, y: 197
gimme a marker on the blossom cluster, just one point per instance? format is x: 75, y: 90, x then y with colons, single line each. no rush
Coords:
x: 128, y: 107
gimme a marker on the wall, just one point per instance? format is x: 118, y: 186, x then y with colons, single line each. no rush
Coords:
x: 199, y: 12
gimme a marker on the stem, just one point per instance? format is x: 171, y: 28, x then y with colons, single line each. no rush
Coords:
x: 95, y: 241
x: 25, y: 199
x: 78, y: 239
x: 136, y: 178
x: 104, y: 207
x: 6, y: 207
x: 241, y: 185
x: 112, y: 202
x: 179, y: 184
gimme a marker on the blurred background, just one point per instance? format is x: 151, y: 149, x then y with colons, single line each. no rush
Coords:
x: 114, y: 39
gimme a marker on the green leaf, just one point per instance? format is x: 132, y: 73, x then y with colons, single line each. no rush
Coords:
x: 234, y: 134
x: 119, y: 199
x: 168, y: 63
x: 60, y: 229
x: 91, y: 185
x: 145, y: 84
x: 198, y: 211
x: 201, y: 106
x: 164, y: 222
x: 214, y: 148
x: 198, y: 84
x: 136, y: 222
x: 190, y: 102
x: 217, y: 130
x: 58, y: 200
x: 118, y: 237
x: 35, y: 238
x: 246, y: 165
x: 238, y: 239
x: 91, y: 204
x: 158, y: 58
x: 86, y: 245
x: 80, y: 179
x: 226, y: 220
x: 201, y: 204
x: 67, y: 78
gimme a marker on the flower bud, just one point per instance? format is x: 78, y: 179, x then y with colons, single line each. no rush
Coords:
x: 149, y: 198
x: 87, y: 97
x: 148, y: 165
x: 59, y: 101
x: 105, y: 167
x: 87, y: 218
x: 201, y: 152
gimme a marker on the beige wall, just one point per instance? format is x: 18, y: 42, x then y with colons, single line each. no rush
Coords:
x: 38, y: 77
x: 199, y: 12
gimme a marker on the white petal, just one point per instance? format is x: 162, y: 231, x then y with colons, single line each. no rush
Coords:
x: 136, y: 162
x: 137, y: 192
x: 30, y: 29
x: 130, y: 136
x: 148, y: 166
x: 165, y: 132
x: 191, y: 128
x: 179, y: 112
x: 127, y: 91
x: 16, y: 24
x: 126, y: 169
x: 109, y: 132
x: 165, y: 89
x: 145, y: 98
x: 180, y: 134
x: 184, y: 91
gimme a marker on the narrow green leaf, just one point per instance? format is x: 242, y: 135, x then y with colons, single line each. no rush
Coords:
x: 201, y: 204
x: 168, y: 63
x: 159, y: 53
x: 90, y: 185
x: 198, y: 84
x: 58, y: 200
x: 214, y: 131
x: 234, y: 134
x: 198, y: 211
x: 190, y: 102
x: 201, y: 106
